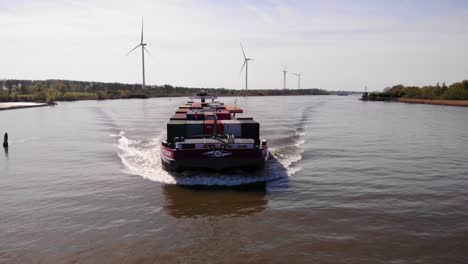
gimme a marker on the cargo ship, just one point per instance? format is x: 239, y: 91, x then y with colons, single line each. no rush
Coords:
x: 207, y: 134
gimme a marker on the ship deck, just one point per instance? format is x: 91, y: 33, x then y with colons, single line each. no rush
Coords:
x: 211, y: 135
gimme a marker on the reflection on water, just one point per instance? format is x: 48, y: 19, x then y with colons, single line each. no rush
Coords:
x: 185, y: 201
x: 192, y: 202
x: 235, y: 192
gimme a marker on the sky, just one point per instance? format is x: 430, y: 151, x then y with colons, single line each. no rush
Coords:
x: 337, y: 45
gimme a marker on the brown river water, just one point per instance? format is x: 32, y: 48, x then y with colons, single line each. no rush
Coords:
x: 347, y: 182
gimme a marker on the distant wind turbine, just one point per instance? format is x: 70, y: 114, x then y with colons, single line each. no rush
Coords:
x: 246, y: 65
x: 284, y: 77
x: 143, y: 49
x: 298, y: 80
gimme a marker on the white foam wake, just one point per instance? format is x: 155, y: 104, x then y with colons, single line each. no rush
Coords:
x: 291, y: 154
x: 142, y: 158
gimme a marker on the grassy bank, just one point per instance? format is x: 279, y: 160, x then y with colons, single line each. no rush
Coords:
x: 63, y: 90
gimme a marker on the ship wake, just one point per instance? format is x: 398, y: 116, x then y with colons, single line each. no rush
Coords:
x: 142, y: 158
x: 290, y: 148
x: 290, y: 154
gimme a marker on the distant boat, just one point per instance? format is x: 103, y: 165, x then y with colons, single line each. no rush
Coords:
x: 342, y: 93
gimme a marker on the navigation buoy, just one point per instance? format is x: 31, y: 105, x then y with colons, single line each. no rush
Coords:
x: 5, y: 140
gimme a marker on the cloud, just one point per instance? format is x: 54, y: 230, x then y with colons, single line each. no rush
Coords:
x: 337, y: 44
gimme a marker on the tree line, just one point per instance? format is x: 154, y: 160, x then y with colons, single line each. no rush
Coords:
x: 65, y: 90
x: 456, y: 91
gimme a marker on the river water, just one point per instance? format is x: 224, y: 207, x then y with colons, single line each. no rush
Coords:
x: 347, y: 182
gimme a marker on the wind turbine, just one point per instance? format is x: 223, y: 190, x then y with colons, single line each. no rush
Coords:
x: 143, y: 49
x: 284, y: 77
x: 246, y: 65
x: 298, y: 80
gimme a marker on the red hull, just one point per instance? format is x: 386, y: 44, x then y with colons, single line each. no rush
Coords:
x: 216, y: 159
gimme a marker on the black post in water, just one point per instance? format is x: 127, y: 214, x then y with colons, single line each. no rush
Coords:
x: 5, y: 140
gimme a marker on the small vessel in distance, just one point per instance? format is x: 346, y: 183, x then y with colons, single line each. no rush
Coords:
x: 208, y: 135
x: 342, y: 93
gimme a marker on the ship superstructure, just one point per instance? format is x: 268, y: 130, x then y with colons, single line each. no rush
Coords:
x: 207, y: 134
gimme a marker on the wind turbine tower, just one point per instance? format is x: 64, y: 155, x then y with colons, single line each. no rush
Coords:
x: 246, y: 65
x: 298, y: 80
x: 284, y: 77
x: 143, y: 49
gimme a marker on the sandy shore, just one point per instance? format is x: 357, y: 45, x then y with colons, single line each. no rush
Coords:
x: 19, y: 105
x: 435, y: 102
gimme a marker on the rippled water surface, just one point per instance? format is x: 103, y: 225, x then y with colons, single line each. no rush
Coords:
x: 347, y: 182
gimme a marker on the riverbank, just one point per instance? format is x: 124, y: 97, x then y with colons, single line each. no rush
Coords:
x: 20, y: 105
x: 454, y: 95
x: 434, y: 102
x: 66, y: 90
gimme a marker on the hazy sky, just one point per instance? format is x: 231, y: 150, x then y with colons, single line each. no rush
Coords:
x: 338, y: 45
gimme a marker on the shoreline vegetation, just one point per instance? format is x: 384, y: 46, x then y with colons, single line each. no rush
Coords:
x: 454, y: 95
x: 434, y: 102
x: 50, y: 91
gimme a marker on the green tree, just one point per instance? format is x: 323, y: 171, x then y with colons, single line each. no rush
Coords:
x: 465, y: 84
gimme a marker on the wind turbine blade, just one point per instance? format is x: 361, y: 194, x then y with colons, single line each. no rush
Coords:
x: 141, y: 42
x: 133, y: 49
x: 243, y: 52
x: 147, y: 51
x: 245, y: 62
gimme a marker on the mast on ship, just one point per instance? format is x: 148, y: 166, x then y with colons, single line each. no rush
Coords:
x: 215, y: 126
